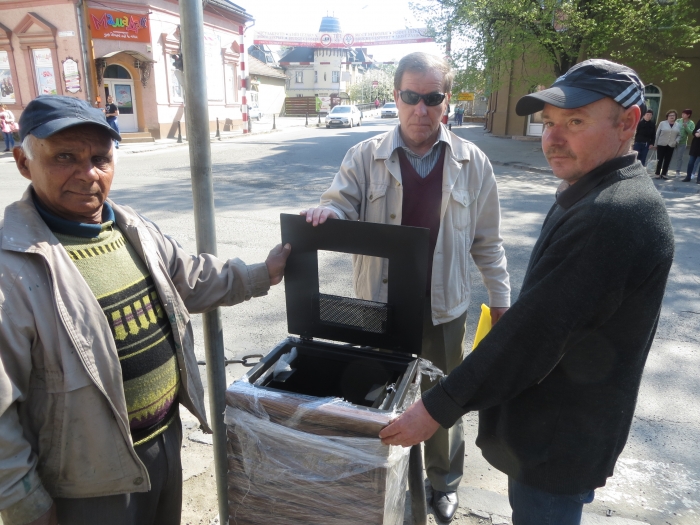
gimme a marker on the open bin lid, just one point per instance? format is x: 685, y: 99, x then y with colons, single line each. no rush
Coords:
x: 396, y: 325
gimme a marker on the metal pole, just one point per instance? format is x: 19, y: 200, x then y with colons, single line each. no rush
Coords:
x: 82, y: 34
x: 218, y: 133
x: 197, y: 116
x: 179, y: 133
x: 274, y: 123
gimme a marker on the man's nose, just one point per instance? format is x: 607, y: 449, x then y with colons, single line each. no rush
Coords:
x: 421, y: 109
x: 87, y: 171
x: 553, y: 135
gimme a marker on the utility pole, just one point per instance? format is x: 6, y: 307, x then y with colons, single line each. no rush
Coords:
x: 197, y: 117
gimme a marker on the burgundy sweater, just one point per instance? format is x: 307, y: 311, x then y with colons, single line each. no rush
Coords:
x: 422, y: 198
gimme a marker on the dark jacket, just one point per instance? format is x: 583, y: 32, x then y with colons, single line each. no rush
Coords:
x: 556, y: 380
x: 695, y: 144
x: 646, y: 132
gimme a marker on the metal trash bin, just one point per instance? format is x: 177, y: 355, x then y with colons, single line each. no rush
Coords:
x: 302, y: 425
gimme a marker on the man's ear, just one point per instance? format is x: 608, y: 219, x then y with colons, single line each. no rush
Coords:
x: 396, y: 96
x: 630, y: 119
x: 21, y: 161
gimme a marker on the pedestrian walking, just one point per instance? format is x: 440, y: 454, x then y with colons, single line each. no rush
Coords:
x: 459, y: 114
x: 112, y: 112
x: 399, y: 177
x: 667, y: 137
x: 8, y: 126
x: 96, y: 344
x: 645, y: 136
x: 376, y: 103
x: 694, y: 156
x: 687, y: 127
x: 556, y: 380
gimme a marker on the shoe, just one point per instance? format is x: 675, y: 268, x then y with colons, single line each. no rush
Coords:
x: 664, y: 177
x: 445, y: 505
x: 687, y: 179
x: 6, y: 151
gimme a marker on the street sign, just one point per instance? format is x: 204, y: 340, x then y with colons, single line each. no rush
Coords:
x: 465, y: 96
x: 375, y: 83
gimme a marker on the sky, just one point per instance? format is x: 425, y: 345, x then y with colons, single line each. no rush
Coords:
x: 356, y: 16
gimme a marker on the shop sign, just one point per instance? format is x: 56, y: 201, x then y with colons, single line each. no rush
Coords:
x: 463, y: 97
x: 7, y: 89
x: 116, y: 25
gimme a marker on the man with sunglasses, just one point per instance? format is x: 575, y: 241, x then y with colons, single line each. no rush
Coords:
x: 556, y: 381
x: 420, y: 174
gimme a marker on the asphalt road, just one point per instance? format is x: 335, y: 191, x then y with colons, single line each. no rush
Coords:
x: 256, y: 178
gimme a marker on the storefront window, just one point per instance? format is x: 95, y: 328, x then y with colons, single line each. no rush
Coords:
x: 214, y: 66
x: 7, y: 88
x: 43, y: 72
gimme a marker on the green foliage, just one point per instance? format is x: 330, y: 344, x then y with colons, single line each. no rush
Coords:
x: 544, y: 38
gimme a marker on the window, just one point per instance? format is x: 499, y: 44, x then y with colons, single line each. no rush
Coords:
x: 315, y: 76
x: 116, y: 71
x: 300, y: 77
x: 336, y: 77
x: 43, y: 71
x: 231, y: 84
x: 652, y: 94
x: 7, y: 88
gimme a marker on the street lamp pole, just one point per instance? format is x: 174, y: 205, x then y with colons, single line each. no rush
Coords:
x: 197, y: 117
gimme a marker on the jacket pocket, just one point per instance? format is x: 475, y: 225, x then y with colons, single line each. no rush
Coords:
x: 460, y: 207
x: 375, y: 210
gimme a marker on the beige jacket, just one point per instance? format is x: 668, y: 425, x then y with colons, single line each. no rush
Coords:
x: 64, y: 430
x: 368, y: 188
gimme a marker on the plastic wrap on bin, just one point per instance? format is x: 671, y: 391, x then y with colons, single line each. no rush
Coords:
x: 296, y: 459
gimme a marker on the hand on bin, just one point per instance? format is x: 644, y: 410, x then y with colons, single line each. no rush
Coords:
x: 410, y: 428
x: 276, y: 261
x: 318, y: 216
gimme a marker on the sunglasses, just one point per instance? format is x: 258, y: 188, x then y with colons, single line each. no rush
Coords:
x: 412, y: 98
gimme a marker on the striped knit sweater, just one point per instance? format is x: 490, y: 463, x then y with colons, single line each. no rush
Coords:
x: 123, y: 287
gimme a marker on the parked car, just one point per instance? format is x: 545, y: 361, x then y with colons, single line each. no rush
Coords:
x: 254, y: 112
x: 344, y: 116
x: 389, y: 110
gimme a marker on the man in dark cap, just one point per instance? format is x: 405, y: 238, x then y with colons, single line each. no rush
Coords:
x: 96, y: 346
x: 556, y: 380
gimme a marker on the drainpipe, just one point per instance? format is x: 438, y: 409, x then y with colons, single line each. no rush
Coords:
x: 82, y: 35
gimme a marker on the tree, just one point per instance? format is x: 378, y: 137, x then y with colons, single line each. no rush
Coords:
x: 365, y: 92
x: 547, y: 37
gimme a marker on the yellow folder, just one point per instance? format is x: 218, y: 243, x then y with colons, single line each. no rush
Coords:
x: 484, y: 325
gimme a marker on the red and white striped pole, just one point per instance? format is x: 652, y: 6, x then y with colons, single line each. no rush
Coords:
x: 244, y: 77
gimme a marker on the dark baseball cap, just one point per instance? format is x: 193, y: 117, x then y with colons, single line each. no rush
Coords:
x: 585, y: 83
x: 50, y: 114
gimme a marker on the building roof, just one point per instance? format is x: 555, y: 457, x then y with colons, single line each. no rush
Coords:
x: 298, y: 54
x: 229, y: 6
x: 330, y: 24
x: 256, y: 67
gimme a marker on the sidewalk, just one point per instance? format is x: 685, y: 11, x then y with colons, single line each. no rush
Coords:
x: 527, y: 155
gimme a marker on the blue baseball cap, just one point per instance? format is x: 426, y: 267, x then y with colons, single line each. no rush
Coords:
x: 585, y: 83
x: 49, y: 114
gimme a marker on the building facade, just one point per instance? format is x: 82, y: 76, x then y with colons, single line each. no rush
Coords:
x: 326, y: 73
x: 91, y: 50
x: 267, y: 86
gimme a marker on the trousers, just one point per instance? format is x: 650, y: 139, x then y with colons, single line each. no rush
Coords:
x: 532, y: 506
x: 162, y: 505
x: 663, y: 154
x: 444, y: 451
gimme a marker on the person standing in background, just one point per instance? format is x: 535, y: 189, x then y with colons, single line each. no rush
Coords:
x: 6, y: 121
x: 112, y: 112
x: 687, y: 128
x: 645, y: 136
x: 667, y: 137
x: 694, y: 155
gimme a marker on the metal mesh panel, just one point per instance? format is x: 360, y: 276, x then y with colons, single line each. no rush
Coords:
x: 367, y: 316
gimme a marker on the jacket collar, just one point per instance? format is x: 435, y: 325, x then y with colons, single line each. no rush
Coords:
x: 458, y: 151
x: 574, y: 193
x: 23, y: 229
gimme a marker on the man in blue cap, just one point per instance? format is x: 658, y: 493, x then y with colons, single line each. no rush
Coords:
x: 96, y: 345
x: 556, y: 379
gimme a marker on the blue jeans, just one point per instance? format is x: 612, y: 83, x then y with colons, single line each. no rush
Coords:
x: 532, y: 506
x: 9, y: 141
x: 112, y: 121
x: 642, y: 148
x: 692, y: 161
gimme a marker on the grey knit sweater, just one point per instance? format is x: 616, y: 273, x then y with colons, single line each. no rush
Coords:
x: 556, y: 380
